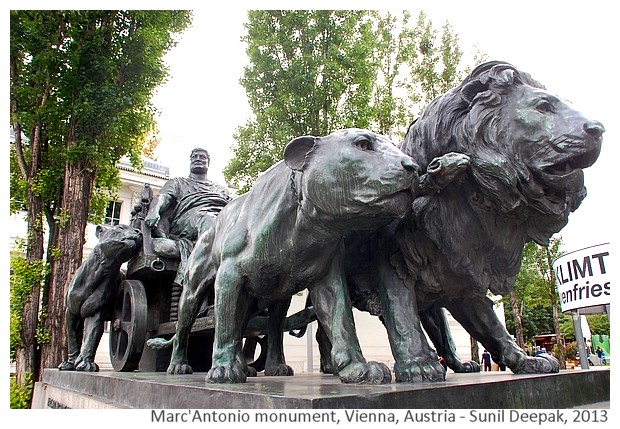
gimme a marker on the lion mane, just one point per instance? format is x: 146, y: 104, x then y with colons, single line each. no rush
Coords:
x: 473, y: 118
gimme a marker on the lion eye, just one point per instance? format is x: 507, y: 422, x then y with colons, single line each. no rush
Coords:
x: 364, y: 144
x: 544, y: 106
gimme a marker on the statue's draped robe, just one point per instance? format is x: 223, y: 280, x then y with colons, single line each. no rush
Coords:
x: 196, y: 204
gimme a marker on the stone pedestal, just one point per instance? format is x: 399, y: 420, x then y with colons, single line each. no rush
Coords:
x: 156, y: 390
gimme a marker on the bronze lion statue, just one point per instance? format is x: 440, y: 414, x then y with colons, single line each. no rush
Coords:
x: 527, y: 150
x: 90, y: 297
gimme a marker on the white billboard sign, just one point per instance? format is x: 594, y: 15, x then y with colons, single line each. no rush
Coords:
x: 583, y: 278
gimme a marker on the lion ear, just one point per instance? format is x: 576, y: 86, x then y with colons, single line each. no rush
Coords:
x: 100, y: 230
x: 295, y: 152
x: 505, y: 77
x: 498, y: 77
x: 473, y: 88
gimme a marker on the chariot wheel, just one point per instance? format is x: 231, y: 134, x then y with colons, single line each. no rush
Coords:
x: 128, y: 327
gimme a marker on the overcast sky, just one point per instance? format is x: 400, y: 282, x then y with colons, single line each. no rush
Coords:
x: 565, y: 45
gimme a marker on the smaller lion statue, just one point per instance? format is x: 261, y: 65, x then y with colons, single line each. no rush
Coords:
x: 91, y: 295
x: 286, y: 235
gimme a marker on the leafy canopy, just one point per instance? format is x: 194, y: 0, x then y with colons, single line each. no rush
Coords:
x: 311, y: 72
x: 87, y: 78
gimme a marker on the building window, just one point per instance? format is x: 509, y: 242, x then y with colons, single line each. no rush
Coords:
x: 113, y: 213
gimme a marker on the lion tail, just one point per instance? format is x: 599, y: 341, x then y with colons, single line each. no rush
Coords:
x: 159, y: 343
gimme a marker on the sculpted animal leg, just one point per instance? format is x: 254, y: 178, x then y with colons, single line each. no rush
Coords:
x: 276, y: 362
x: 93, y: 330
x: 231, y: 318
x: 334, y: 311
x: 189, y: 306
x: 74, y: 328
x: 416, y: 361
x: 194, y: 292
x: 436, y: 326
x: 479, y: 319
x: 325, y: 350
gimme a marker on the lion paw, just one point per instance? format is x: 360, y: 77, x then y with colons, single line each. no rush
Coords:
x: 419, y: 370
x: 541, y: 364
x: 251, y: 372
x: 371, y: 373
x: 464, y: 366
x: 66, y: 366
x: 180, y: 368
x: 86, y: 365
x: 279, y: 370
x: 226, y: 374
x: 158, y: 344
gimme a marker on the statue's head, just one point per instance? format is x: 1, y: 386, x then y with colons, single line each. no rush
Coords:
x: 199, y: 161
x: 354, y: 177
x: 528, y: 147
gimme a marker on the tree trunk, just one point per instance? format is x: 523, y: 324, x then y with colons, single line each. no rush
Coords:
x: 558, y: 333
x: 52, y: 244
x: 26, y: 354
x: 77, y: 189
x: 556, y: 312
x: 518, y: 319
x: 475, y: 352
x: 26, y: 357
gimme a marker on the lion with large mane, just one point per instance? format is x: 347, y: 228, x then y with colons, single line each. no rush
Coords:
x: 527, y: 150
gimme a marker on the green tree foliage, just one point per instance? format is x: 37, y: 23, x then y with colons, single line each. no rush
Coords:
x: 81, y: 85
x: 21, y: 394
x: 598, y: 323
x: 311, y: 72
x: 86, y: 79
x: 433, y: 62
x: 537, y: 309
x: 25, y: 275
x: 534, y: 311
x: 545, y: 256
x: 534, y: 304
x: 527, y: 308
x: 413, y: 68
x: 536, y: 318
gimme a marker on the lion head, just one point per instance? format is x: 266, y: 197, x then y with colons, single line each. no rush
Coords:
x: 353, y: 173
x: 528, y: 147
